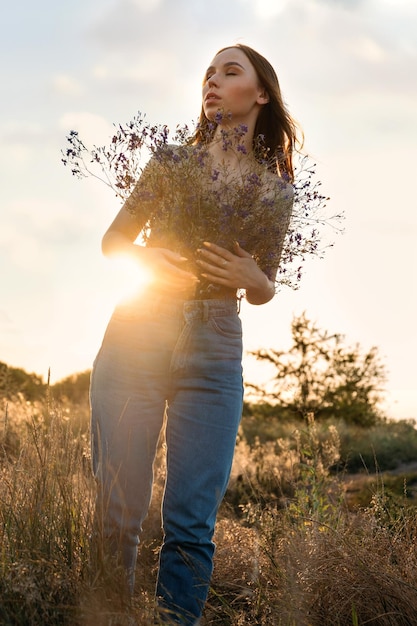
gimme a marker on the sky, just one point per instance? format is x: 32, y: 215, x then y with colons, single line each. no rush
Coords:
x: 348, y: 74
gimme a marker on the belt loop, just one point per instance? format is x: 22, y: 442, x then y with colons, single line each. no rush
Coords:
x: 205, y: 311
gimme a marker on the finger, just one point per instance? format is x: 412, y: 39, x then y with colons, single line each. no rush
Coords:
x: 215, y: 278
x: 220, y: 259
x: 170, y: 272
x: 216, y: 265
x: 181, y: 276
x: 240, y: 251
x: 174, y: 257
x: 215, y: 248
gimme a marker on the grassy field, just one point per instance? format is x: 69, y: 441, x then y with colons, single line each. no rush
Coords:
x: 303, y: 539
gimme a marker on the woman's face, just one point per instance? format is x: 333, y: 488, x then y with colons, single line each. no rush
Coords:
x: 231, y: 86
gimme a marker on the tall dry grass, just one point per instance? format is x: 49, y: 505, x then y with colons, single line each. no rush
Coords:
x: 289, y: 550
x: 43, y: 513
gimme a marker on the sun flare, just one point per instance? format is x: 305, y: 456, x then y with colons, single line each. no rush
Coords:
x: 129, y: 278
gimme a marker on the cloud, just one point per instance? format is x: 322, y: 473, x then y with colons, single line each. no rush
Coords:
x: 347, y: 4
x: 397, y: 4
x: 154, y: 63
x: 182, y: 25
x: 94, y: 129
x: 267, y: 9
x: 326, y: 46
x: 67, y: 85
x: 21, y: 132
x: 36, y: 232
x: 20, y: 141
x: 366, y: 49
x: 147, y: 6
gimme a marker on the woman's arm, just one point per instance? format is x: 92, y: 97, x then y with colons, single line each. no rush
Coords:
x: 261, y: 293
x: 119, y: 240
x: 259, y: 288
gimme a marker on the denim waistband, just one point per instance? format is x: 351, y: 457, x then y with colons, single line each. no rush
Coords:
x: 204, y: 309
x: 157, y: 303
x: 193, y: 309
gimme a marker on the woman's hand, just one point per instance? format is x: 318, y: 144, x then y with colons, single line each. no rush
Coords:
x: 165, y: 266
x: 237, y: 270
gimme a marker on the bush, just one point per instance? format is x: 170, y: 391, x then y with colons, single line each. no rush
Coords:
x: 73, y: 389
x: 385, y: 446
x: 15, y: 382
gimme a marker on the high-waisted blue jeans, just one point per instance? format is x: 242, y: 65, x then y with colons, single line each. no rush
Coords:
x: 186, y: 356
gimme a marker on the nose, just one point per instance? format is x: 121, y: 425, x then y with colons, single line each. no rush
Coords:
x: 212, y: 81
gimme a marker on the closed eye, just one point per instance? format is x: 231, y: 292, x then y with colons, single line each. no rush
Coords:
x: 208, y: 76
x: 227, y: 68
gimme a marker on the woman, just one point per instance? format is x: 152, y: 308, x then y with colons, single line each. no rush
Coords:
x: 178, y: 347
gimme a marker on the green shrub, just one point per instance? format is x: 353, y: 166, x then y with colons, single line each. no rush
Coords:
x: 385, y: 446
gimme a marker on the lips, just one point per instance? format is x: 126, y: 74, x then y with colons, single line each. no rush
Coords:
x: 211, y: 97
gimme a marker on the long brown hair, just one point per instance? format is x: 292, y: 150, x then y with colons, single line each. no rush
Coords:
x: 276, y: 127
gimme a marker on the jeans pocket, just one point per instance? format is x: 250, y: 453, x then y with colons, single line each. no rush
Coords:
x: 227, y: 326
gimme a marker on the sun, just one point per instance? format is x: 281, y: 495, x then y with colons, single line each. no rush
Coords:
x: 129, y: 278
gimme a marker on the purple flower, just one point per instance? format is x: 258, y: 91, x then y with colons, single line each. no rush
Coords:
x: 186, y: 210
x: 218, y: 118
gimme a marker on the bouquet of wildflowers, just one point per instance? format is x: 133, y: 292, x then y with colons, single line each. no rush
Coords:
x: 184, y: 200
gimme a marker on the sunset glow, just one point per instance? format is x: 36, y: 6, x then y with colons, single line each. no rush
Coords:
x: 129, y: 279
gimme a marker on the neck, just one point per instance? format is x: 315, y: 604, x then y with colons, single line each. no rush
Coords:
x: 232, y: 142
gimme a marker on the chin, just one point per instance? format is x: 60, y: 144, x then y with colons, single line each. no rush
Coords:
x: 212, y: 113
